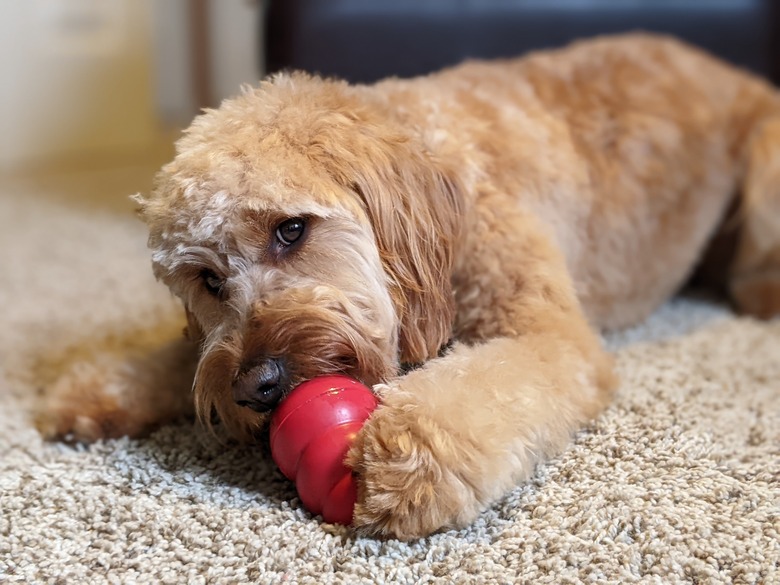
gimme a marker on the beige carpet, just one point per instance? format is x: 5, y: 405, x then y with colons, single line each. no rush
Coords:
x: 679, y: 482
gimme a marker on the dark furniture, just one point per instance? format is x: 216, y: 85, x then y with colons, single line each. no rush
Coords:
x: 364, y: 40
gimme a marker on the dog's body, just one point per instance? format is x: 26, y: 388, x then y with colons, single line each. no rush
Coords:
x: 508, y: 208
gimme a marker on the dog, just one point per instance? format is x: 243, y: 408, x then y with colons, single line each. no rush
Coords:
x: 456, y: 241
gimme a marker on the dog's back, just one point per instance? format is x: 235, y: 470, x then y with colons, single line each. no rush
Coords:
x: 631, y: 147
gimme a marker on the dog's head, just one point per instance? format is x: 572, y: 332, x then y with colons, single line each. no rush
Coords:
x: 307, y: 232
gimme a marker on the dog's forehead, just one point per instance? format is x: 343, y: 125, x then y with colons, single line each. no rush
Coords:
x: 260, y: 177
x: 284, y: 194
x: 250, y: 159
x: 231, y: 207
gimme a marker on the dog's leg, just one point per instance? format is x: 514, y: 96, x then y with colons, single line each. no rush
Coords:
x: 111, y: 394
x: 455, y: 435
x: 755, y: 274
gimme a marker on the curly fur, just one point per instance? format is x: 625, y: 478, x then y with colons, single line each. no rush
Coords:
x: 509, y: 209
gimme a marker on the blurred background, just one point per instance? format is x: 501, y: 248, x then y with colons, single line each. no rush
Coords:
x: 106, y: 82
x: 93, y: 82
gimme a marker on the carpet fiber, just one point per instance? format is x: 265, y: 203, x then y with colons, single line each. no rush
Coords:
x: 678, y: 482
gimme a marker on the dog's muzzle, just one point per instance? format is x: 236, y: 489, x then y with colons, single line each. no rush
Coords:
x: 260, y: 384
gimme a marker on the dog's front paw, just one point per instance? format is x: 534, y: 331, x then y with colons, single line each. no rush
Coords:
x: 413, y: 476
x: 757, y: 294
x: 83, y: 405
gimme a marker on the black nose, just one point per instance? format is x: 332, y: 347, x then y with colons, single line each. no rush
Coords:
x: 259, y: 385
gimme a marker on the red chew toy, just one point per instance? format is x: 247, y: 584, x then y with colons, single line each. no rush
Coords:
x: 311, y: 432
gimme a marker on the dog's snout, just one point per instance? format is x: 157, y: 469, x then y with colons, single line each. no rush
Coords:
x: 259, y: 385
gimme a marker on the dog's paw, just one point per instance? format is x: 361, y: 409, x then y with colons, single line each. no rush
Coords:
x: 83, y: 405
x: 413, y: 477
x: 758, y: 294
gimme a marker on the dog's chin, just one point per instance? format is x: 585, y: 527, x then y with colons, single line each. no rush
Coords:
x: 213, y: 396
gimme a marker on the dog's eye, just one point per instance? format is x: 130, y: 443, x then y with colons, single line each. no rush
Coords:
x: 290, y: 231
x: 212, y: 282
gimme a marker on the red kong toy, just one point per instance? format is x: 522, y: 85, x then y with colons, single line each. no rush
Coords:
x: 311, y: 432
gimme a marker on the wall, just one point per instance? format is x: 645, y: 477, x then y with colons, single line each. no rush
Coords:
x: 235, y: 55
x: 76, y: 79
x: 236, y: 45
x: 103, y: 79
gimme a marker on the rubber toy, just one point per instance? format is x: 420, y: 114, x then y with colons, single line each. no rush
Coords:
x: 311, y: 432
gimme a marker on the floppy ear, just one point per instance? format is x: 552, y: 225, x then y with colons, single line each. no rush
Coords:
x: 414, y: 205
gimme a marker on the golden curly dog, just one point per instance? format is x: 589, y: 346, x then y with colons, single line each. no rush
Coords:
x: 482, y: 223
